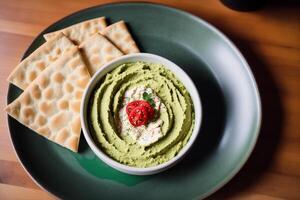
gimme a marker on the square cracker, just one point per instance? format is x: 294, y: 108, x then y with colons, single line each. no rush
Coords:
x: 50, y: 105
x: 118, y: 34
x: 97, y: 51
x: 79, y: 32
x: 29, y: 68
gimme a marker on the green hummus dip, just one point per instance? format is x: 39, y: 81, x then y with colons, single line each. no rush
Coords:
x: 178, y: 117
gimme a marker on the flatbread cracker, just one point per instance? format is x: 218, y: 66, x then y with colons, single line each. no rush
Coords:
x: 97, y: 50
x: 50, y: 105
x: 26, y: 71
x: 118, y: 34
x: 79, y: 32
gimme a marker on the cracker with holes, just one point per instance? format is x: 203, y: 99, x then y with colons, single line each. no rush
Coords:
x: 118, y: 34
x: 36, y: 62
x: 79, y: 32
x: 97, y: 50
x: 50, y: 105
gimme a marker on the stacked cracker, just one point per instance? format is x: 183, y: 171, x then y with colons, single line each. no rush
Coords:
x: 55, y: 75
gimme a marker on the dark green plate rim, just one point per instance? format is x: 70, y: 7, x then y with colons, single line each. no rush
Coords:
x: 39, y: 40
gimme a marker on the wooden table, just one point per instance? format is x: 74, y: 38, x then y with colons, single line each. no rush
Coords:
x: 269, y: 39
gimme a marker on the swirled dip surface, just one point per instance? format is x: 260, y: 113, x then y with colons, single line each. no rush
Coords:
x: 159, y: 140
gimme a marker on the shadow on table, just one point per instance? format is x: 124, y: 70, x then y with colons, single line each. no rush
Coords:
x: 270, y: 134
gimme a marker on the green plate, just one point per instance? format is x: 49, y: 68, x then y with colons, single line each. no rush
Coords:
x: 231, y: 114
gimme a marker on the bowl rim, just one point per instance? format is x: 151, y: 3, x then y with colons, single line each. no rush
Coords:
x: 174, y: 68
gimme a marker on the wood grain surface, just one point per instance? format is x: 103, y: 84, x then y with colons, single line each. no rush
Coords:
x: 269, y: 38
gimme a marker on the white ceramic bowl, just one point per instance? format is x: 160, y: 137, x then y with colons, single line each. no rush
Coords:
x: 151, y: 58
